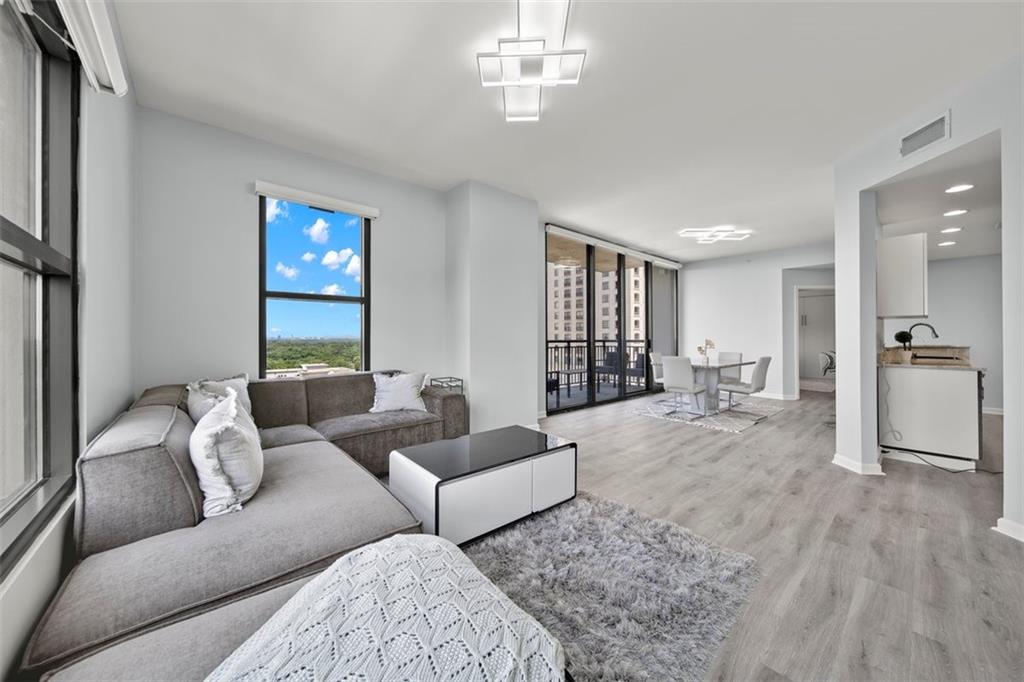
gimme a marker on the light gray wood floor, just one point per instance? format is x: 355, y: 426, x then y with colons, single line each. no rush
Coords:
x: 862, y: 577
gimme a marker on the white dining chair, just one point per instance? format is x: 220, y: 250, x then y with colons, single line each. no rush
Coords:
x: 730, y: 375
x: 679, y: 381
x: 757, y: 381
x: 657, y: 371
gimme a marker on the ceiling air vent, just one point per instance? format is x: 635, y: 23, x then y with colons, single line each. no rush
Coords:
x: 925, y: 135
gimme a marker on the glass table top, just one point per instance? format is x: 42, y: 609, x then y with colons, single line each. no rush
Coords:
x: 448, y: 459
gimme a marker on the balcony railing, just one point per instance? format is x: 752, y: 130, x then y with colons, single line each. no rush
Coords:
x: 568, y: 370
x: 307, y: 369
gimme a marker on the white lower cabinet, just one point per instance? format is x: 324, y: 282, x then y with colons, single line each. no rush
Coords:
x: 929, y: 410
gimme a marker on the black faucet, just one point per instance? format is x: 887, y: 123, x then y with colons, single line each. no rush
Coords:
x: 910, y: 343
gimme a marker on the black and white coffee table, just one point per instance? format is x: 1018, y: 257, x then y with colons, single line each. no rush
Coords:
x: 466, y: 487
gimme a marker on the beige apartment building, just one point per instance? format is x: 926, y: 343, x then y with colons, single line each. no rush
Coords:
x: 567, y: 304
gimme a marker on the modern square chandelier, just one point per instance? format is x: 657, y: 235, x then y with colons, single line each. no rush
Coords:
x: 533, y: 60
x: 719, y: 233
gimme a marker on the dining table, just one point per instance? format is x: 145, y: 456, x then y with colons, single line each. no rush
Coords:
x: 709, y: 374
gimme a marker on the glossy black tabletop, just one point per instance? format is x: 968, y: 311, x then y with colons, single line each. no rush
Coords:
x: 448, y: 459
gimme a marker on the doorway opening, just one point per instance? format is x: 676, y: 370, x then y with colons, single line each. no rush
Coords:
x: 815, y: 338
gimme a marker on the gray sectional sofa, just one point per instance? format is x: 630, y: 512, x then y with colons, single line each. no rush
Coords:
x: 162, y: 593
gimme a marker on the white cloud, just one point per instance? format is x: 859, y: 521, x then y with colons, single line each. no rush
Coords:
x: 286, y: 271
x: 333, y: 290
x: 308, y: 256
x: 319, y: 231
x: 355, y: 268
x: 335, y: 259
x: 352, y: 222
x: 275, y: 330
x: 276, y: 209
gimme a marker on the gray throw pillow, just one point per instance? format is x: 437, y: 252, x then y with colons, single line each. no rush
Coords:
x: 204, y: 394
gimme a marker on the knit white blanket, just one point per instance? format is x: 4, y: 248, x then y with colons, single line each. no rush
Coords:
x: 412, y: 607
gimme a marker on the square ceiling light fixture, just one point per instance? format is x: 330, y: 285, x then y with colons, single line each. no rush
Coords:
x: 535, y: 59
x: 719, y: 233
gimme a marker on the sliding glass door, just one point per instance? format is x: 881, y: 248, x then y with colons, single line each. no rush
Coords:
x: 598, y: 324
x: 568, y: 350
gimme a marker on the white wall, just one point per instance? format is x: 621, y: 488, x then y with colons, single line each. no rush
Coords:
x: 197, y: 250
x: 738, y: 303
x: 494, y: 239
x: 965, y: 307
x: 791, y: 280
x: 457, y: 280
x: 106, y: 263
x: 989, y: 103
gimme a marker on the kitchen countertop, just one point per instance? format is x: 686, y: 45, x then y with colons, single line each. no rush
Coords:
x: 962, y: 368
x: 918, y: 346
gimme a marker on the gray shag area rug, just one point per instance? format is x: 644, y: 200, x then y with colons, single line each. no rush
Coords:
x: 744, y: 414
x: 629, y: 597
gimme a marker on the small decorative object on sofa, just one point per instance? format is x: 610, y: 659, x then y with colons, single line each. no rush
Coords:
x: 398, y: 392
x: 448, y: 383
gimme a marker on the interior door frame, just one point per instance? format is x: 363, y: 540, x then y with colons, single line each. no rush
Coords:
x: 795, y: 359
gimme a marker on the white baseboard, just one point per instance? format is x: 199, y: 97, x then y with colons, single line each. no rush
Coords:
x: 858, y: 467
x: 775, y: 396
x: 542, y: 415
x: 1010, y: 528
x: 937, y: 460
x: 992, y: 410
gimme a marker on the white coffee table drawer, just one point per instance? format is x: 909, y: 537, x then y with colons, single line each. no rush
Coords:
x: 472, y: 506
x: 554, y: 478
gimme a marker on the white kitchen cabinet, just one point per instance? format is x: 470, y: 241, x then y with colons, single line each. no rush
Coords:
x: 903, y: 276
x: 931, y: 410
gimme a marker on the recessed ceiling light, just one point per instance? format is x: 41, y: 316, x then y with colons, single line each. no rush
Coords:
x: 955, y: 211
x: 959, y: 188
x: 947, y: 243
x: 951, y: 230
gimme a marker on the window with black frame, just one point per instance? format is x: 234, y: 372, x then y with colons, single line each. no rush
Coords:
x: 314, y: 294
x: 38, y: 334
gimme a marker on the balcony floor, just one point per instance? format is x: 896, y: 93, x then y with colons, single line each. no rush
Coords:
x: 577, y: 395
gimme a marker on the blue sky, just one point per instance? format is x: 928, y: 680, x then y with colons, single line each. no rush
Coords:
x: 312, y: 251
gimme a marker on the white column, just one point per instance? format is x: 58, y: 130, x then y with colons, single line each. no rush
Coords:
x: 856, y: 331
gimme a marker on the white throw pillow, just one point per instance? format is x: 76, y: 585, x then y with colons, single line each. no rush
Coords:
x: 204, y: 394
x: 398, y: 392
x: 226, y: 453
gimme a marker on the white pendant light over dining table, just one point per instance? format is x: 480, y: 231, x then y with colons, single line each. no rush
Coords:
x: 535, y: 59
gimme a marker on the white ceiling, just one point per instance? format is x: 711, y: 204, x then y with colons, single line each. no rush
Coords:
x: 688, y: 115
x: 915, y: 201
